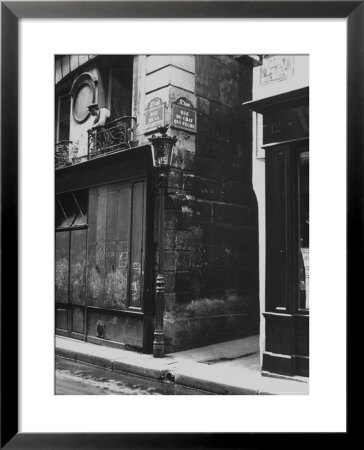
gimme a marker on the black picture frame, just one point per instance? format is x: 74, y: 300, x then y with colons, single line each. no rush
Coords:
x: 11, y: 12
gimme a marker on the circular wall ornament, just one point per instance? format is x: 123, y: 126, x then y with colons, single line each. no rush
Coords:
x: 83, y: 93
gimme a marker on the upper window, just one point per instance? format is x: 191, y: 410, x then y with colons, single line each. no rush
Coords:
x: 120, y: 92
x: 63, y: 115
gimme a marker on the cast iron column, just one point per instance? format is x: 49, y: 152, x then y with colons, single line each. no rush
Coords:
x: 162, y: 147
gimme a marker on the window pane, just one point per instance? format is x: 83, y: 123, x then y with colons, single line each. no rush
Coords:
x: 120, y: 93
x: 64, y: 216
x: 80, y: 199
x: 64, y: 118
x: 304, y: 230
x: 71, y: 209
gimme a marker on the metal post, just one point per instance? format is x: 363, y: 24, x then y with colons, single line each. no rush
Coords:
x: 158, y: 343
x: 162, y: 147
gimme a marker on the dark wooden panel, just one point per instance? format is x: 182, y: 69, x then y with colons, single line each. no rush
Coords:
x: 110, y: 268
x: 112, y: 213
x: 92, y: 215
x: 78, y: 267
x: 78, y: 319
x: 284, y: 365
x: 124, y: 165
x: 95, y: 273
x: 61, y: 318
x: 279, y: 334
x: 277, y: 242
x: 137, y: 245
x: 302, y: 366
x: 282, y: 229
x: 101, y: 214
x: 99, y: 288
x: 124, y: 200
x: 110, y: 246
x: 121, y: 274
x: 62, y: 266
x: 302, y: 335
x: 123, y: 244
x: 113, y: 257
x: 118, y: 328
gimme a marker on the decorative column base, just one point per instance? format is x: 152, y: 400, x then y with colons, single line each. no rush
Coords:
x: 158, y: 344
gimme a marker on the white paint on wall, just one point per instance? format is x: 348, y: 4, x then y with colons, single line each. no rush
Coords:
x: 258, y: 175
x: 279, y: 74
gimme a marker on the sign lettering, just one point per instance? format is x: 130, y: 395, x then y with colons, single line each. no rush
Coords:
x: 154, y: 115
x: 292, y: 123
x: 184, y: 116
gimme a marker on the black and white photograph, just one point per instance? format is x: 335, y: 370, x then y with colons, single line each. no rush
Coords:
x: 182, y: 227
x: 181, y: 224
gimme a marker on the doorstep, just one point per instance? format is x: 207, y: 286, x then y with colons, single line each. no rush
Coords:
x: 228, y: 368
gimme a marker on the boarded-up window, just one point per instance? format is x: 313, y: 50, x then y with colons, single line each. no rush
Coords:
x: 116, y: 245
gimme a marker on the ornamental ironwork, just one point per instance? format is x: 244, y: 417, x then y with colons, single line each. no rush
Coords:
x: 114, y: 136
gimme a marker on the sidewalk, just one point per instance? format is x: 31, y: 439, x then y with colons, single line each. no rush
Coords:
x: 227, y: 368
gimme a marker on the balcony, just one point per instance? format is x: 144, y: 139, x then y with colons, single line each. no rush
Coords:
x: 115, y: 136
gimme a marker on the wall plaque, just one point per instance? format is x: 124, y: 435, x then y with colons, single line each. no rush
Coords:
x: 184, y: 115
x: 154, y: 114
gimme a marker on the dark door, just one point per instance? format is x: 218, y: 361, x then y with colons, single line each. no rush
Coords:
x: 287, y: 265
x: 287, y: 229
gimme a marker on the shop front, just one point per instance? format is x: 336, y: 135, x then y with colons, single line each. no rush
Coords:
x: 280, y: 175
x: 284, y: 152
x: 103, y: 272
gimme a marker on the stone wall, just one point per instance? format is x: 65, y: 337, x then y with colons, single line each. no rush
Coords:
x: 211, y: 239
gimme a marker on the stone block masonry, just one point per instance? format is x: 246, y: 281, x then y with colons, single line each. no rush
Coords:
x: 211, y: 234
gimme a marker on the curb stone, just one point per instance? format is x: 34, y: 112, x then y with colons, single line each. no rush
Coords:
x: 121, y: 366
x: 212, y: 386
x: 68, y: 354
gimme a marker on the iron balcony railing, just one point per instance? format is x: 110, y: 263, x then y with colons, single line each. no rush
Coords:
x: 114, y: 136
